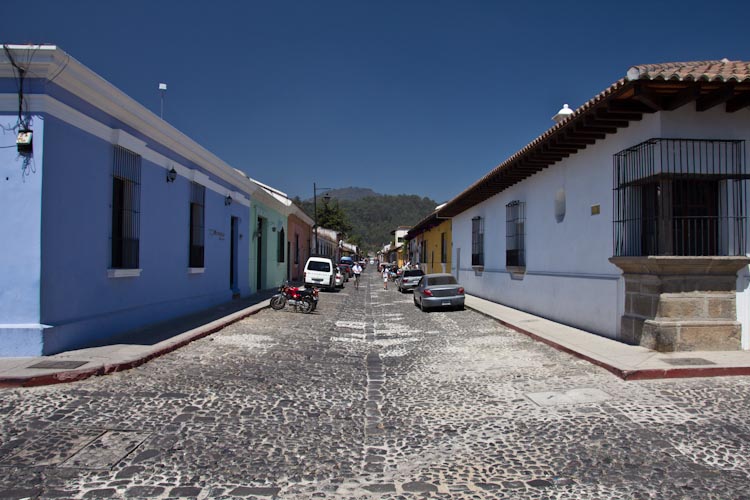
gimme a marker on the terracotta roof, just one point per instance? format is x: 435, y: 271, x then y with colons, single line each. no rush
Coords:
x: 646, y: 89
x: 709, y: 71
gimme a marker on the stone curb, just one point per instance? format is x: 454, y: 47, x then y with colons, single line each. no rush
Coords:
x: 159, y: 349
x: 645, y: 374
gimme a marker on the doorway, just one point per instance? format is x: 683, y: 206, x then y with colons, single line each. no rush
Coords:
x: 233, y: 251
x: 259, y: 257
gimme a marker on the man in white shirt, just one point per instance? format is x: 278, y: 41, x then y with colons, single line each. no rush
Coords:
x: 357, y: 270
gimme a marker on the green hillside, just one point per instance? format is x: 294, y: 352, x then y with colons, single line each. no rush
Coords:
x: 373, y: 217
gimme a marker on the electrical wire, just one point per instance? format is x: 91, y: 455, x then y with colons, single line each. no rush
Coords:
x: 22, y: 124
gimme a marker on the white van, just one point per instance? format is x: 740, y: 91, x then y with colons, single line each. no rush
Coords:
x: 319, y: 271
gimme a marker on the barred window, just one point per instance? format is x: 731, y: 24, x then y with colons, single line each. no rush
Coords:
x: 197, y: 225
x: 477, y: 241
x: 515, y: 246
x: 282, y: 244
x: 685, y: 197
x: 126, y: 209
x: 423, y: 252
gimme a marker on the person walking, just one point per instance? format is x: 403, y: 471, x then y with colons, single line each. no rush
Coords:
x: 357, y: 270
x: 386, y: 275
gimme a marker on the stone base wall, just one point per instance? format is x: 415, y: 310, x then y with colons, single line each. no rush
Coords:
x: 681, y: 303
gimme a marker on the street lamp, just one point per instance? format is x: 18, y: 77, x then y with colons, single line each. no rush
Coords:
x: 326, y: 197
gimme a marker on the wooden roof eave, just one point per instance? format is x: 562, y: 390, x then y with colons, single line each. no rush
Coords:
x: 623, y: 102
x: 568, y: 137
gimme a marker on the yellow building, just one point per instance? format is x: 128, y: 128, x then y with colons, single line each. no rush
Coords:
x: 431, y: 244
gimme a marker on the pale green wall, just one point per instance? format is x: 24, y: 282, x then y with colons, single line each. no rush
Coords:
x: 273, y: 273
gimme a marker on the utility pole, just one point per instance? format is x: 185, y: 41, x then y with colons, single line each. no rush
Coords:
x: 162, y: 91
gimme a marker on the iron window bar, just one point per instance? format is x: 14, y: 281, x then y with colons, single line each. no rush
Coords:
x: 126, y: 209
x: 515, y: 233
x: 196, y: 257
x: 477, y: 241
x: 682, y: 197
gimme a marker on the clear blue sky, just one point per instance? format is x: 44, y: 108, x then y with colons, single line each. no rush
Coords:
x: 418, y: 97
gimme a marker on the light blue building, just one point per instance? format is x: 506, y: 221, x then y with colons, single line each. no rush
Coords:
x: 110, y: 219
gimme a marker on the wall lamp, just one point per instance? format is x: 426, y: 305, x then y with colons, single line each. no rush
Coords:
x: 228, y: 200
x: 171, y: 175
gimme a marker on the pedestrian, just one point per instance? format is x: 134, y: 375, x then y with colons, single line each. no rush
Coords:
x: 357, y: 270
x: 386, y: 274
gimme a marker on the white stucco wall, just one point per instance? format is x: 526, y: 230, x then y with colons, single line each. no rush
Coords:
x: 568, y: 276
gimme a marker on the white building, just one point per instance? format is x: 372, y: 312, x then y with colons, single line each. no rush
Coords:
x: 628, y: 218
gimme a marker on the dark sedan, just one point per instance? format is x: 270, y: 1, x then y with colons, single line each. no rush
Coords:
x: 438, y: 290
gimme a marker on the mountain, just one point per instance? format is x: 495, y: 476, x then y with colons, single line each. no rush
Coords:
x: 347, y: 194
x: 373, y: 216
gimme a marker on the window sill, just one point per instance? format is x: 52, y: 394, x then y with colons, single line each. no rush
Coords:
x: 517, y: 273
x: 196, y: 270
x: 123, y: 273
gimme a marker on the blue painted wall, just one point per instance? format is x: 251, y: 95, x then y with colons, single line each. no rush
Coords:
x: 20, y: 235
x: 78, y: 299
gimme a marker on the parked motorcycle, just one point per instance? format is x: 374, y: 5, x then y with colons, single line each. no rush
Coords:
x: 304, y: 300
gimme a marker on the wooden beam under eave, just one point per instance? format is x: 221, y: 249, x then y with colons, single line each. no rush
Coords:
x: 714, y: 98
x: 561, y: 149
x: 594, y: 122
x: 577, y: 141
x: 606, y: 116
x: 550, y: 157
x: 532, y: 161
x: 590, y: 124
x: 681, y: 97
x: 542, y: 152
x: 738, y: 102
x: 589, y: 135
x: 628, y: 106
x: 647, y: 97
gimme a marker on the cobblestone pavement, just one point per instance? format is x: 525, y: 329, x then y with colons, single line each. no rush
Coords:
x: 370, y: 398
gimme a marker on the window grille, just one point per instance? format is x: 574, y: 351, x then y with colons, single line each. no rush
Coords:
x: 477, y: 241
x: 282, y: 244
x: 197, y: 222
x: 684, y: 197
x: 423, y: 252
x: 126, y: 209
x: 443, y: 249
x: 515, y: 233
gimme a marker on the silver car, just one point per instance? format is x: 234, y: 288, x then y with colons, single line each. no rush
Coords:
x: 409, y: 279
x: 438, y: 290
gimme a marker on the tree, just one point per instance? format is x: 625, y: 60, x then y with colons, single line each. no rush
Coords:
x: 331, y: 216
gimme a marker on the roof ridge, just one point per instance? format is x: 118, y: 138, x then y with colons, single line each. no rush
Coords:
x: 712, y: 70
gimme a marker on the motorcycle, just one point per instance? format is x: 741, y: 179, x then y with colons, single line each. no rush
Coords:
x: 304, y: 300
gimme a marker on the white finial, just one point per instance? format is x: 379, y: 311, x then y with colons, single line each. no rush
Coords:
x: 563, y: 114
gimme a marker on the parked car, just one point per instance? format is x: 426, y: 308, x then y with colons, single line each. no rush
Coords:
x: 346, y: 260
x: 438, y: 290
x: 338, y: 278
x: 409, y: 279
x: 319, y: 271
x: 346, y: 270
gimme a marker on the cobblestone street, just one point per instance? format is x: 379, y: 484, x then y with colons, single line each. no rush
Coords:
x: 370, y: 398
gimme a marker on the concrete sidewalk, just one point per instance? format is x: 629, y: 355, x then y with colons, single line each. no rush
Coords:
x: 626, y: 361
x: 127, y: 350
x: 137, y: 347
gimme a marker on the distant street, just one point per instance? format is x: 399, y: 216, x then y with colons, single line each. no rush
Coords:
x: 370, y: 398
